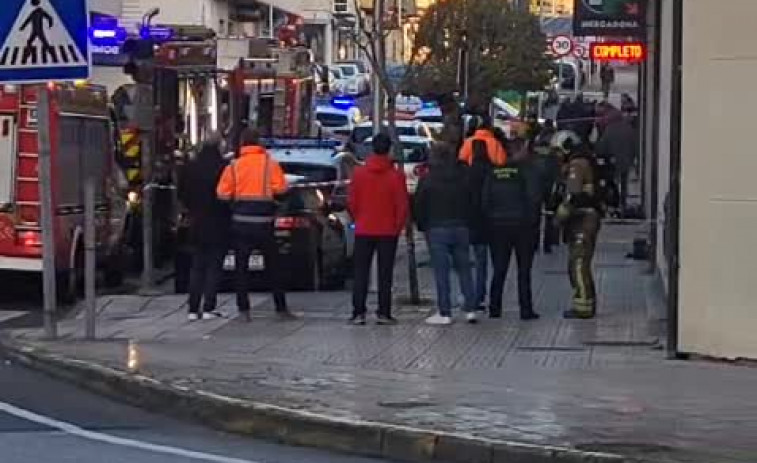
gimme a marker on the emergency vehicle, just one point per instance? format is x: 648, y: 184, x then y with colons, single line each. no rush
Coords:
x: 274, y: 94
x: 81, y: 137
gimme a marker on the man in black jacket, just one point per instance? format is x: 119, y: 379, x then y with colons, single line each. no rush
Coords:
x: 511, y: 200
x: 208, y: 230
x: 442, y: 211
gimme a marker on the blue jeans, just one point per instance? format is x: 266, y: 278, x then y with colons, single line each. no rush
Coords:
x: 449, y: 247
x: 481, y: 257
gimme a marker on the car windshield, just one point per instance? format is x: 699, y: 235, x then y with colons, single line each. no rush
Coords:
x: 310, y: 172
x: 407, y: 130
x: 336, y: 73
x: 415, y: 152
x: 348, y: 71
x: 429, y: 118
x: 362, y: 68
x: 332, y: 120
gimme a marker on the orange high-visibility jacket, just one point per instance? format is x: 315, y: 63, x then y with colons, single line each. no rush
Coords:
x: 495, y: 150
x: 251, y: 183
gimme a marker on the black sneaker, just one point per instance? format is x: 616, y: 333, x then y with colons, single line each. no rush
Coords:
x: 357, y: 320
x: 386, y: 320
x: 287, y: 316
x: 530, y: 316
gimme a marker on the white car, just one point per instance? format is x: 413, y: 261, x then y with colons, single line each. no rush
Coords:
x: 364, y: 130
x: 336, y: 121
x: 415, y: 151
x: 432, y: 117
x: 355, y: 82
x: 316, y: 161
x: 409, y: 103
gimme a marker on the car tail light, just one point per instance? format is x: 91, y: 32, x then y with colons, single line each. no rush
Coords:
x: 420, y: 170
x: 30, y: 239
x: 289, y: 223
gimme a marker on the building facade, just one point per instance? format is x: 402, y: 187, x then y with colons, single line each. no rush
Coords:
x: 551, y: 8
x: 702, y: 194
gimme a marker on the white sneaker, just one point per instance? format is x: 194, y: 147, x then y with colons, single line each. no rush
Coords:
x: 471, y: 317
x: 211, y: 315
x: 438, y: 319
x: 194, y: 317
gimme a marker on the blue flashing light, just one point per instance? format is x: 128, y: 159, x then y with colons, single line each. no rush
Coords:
x: 342, y: 102
x: 107, y: 35
x: 159, y: 33
x: 429, y: 105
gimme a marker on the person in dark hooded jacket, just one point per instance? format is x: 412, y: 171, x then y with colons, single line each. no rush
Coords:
x: 443, y: 204
x: 208, y: 227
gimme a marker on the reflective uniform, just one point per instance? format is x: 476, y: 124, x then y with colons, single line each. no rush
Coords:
x: 582, y: 221
x: 494, y: 149
x: 250, y: 184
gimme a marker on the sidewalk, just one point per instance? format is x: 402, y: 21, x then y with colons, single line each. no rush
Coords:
x: 598, y: 386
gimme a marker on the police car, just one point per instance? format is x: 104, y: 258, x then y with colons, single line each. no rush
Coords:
x: 432, y: 116
x: 338, y: 117
x: 313, y: 229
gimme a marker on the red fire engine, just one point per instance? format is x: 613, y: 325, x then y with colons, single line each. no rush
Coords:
x: 81, y: 136
x: 274, y: 93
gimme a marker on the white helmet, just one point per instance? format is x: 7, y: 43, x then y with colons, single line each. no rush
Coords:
x: 566, y: 141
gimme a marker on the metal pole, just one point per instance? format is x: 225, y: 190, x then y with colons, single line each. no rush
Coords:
x: 90, y: 245
x: 47, y: 214
x: 270, y: 20
x: 145, y: 111
x: 378, y: 91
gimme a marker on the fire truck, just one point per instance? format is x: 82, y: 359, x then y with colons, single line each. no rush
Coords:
x: 274, y: 93
x: 81, y: 137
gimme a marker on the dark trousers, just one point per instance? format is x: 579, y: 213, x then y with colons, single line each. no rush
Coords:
x: 259, y: 238
x: 622, y: 179
x: 365, y: 248
x: 506, y: 238
x: 204, y: 277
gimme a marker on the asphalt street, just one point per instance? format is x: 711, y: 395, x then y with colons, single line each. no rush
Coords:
x: 43, y: 420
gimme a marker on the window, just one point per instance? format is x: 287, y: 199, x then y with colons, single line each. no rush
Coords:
x: 310, y: 172
x: 332, y: 120
x: 348, y: 71
x: 415, y: 152
x: 430, y: 118
x: 361, y: 67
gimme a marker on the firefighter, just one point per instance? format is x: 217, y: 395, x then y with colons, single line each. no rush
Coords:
x: 579, y: 213
x: 251, y: 183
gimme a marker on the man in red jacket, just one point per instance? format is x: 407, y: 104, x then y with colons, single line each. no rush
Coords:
x: 378, y: 202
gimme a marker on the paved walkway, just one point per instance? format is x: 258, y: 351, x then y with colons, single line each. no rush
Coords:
x: 596, y: 385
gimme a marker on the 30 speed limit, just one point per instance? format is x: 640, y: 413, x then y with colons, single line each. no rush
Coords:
x: 562, y: 45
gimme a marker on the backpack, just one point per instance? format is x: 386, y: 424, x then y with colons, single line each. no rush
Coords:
x: 505, y: 195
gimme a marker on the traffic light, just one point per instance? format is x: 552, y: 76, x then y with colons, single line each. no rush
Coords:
x: 140, y: 64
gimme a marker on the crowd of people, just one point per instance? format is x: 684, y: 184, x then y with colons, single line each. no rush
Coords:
x: 484, y: 200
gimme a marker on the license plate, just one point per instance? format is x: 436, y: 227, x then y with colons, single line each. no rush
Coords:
x: 255, y: 263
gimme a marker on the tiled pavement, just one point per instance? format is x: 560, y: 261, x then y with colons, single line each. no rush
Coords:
x: 589, y: 384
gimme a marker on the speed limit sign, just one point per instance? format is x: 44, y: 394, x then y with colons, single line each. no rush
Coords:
x: 579, y: 51
x: 562, y: 45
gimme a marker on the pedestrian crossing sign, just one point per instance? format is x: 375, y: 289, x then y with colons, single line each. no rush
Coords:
x: 43, y: 40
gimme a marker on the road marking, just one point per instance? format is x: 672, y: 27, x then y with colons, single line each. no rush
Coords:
x: 76, y: 431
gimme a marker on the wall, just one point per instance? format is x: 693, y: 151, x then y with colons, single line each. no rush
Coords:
x: 718, y: 190
x: 111, y: 7
x: 195, y: 12
x: 663, y: 147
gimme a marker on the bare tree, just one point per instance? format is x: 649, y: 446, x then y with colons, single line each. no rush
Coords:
x: 370, y: 36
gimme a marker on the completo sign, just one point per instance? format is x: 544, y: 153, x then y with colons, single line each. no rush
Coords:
x: 618, y: 51
x: 609, y: 18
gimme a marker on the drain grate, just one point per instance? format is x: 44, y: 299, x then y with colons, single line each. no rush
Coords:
x: 551, y: 349
x: 611, y: 343
x: 624, y: 448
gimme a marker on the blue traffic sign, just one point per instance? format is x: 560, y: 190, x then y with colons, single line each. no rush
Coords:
x: 42, y: 40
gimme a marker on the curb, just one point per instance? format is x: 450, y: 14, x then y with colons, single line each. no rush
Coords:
x: 290, y: 426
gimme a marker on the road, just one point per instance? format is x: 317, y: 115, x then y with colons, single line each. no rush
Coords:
x: 43, y: 420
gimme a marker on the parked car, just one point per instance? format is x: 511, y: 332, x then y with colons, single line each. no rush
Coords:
x: 313, y: 230
x: 337, y: 121
x: 355, y: 82
x: 415, y: 151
